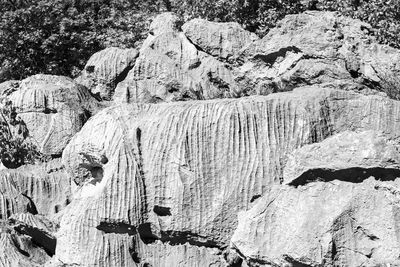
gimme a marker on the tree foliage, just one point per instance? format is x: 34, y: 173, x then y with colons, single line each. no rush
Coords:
x: 15, y: 149
x: 58, y: 36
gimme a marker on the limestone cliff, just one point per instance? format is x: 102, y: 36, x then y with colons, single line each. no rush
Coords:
x: 215, y: 148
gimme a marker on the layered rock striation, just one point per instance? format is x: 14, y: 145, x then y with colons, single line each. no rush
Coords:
x: 219, y: 149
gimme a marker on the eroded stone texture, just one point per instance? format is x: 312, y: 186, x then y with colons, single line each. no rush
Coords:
x: 312, y: 172
x: 322, y: 224
x: 221, y: 40
x: 356, y: 154
x: 38, y: 189
x: 53, y: 108
x: 26, y: 240
x: 105, y: 69
x: 211, y: 60
x: 170, y: 68
x: 319, y: 47
x: 182, y: 171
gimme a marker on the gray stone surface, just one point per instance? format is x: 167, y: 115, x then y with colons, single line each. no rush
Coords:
x: 237, y: 151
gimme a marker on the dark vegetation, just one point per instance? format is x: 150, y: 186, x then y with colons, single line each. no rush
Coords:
x: 15, y: 149
x: 58, y: 36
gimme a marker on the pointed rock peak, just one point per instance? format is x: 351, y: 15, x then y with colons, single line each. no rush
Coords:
x: 165, y: 22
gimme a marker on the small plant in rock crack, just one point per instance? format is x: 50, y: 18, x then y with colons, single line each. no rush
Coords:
x: 15, y: 149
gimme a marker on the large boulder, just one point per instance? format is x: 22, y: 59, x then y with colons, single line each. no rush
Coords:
x: 221, y: 40
x: 354, y: 155
x: 335, y: 223
x: 53, y: 108
x: 105, y: 69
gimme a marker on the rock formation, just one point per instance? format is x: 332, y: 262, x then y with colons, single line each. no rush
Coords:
x: 218, y: 149
x: 53, y: 108
x: 105, y: 69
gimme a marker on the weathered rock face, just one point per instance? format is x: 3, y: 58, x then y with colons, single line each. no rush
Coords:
x: 221, y: 40
x: 323, y: 224
x: 170, y: 68
x: 316, y: 48
x: 26, y: 240
x: 53, y: 108
x: 181, y: 172
x: 305, y: 177
x: 105, y: 69
x: 355, y: 155
x: 209, y: 60
x: 39, y: 189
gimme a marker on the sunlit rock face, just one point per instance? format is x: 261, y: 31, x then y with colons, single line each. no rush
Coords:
x: 217, y: 148
x: 53, y: 108
x: 105, y: 69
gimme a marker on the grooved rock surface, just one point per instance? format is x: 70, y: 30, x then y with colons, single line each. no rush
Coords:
x: 204, y: 161
x: 53, y: 108
x: 105, y: 69
x: 39, y: 189
x: 221, y: 40
x: 180, y: 172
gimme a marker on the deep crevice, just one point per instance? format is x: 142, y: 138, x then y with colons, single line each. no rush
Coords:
x: 146, y: 234
x: 31, y: 207
x: 122, y: 76
x: 334, y: 251
x: 295, y: 263
x: 272, y: 57
x: 116, y: 228
x: 162, y: 211
x: 39, y: 238
x: 254, y: 198
x: 175, y: 237
x: 18, y: 247
x: 353, y: 175
x: 180, y: 238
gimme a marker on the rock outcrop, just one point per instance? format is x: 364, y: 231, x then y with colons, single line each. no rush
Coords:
x: 38, y: 189
x: 188, y: 168
x: 345, y: 155
x: 221, y: 40
x: 318, y: 48
x: 105, y: 69
x: 170, y: 68
x: 322, y: 224
x: 219, y: 149
x: 208, y: 60
x: 53, y: 108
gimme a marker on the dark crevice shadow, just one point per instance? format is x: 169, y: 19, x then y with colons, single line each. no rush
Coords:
x: 352, y: 175
x: 117, y: 228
